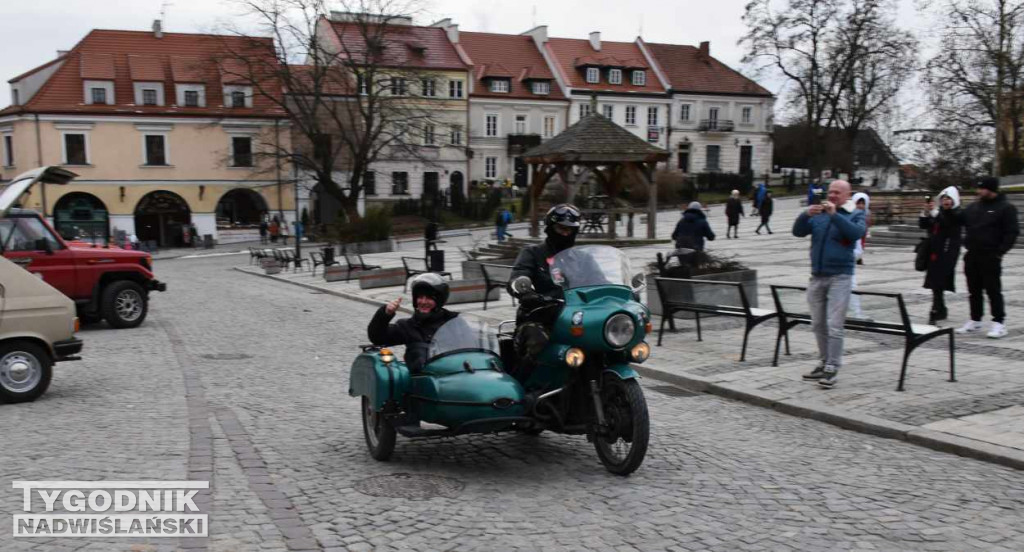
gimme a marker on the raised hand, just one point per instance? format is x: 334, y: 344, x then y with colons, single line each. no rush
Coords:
x: 391, y: 307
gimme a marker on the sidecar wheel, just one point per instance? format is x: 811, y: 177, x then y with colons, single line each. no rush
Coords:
x: 379, y: 433
x: 623, y: 447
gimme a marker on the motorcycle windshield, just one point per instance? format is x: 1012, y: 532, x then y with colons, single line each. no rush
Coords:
x: 591, y: 265
x: 462, y: 334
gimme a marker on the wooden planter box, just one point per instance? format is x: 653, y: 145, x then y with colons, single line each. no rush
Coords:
x: 381, y: 277
x: 708, y: 294
x: 470, y: 291
x: 336, y: 273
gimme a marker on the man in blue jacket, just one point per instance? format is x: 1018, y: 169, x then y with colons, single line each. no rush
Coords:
x: 835, y: 225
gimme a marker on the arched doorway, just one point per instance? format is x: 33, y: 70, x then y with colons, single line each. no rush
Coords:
x: 162, y: 217
x: 83, y: 216
x: 241, y: 207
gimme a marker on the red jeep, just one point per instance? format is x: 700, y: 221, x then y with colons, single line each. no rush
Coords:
x: 106, y: 282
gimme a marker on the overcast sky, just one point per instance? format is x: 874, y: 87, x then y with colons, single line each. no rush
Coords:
x: 33, y: 30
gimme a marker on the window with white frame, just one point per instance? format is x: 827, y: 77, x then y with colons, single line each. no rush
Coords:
x: 713, y: 156
x: 491, y: 125
x: 499, y: 85
x: 639, y: 78
x: 652, y: 116
x: 456, y: 135
x: 549, y: 126
x: 191, y: 98
x: 149, y: 93
x: 593, y: 75
x: 541, y: 88
x: 490, y: 167
x: 608, y: 111
x: 399, y: 183
x: 107, y: 86
x: 75, y: 149
x: 684, y: 112
x: 398, y: 86
x: 148, y: 96
x: 428, y: 134
x: 238, y: 99
x: 454, y: 89
x: 156, y: 149
x: 241, y: 151
x: 584, y: 110
x: 362, y: 84
x: 520, y: 124
x: 190, y: 95
x: 745, y: 115
x: 630, y: 114
x: 428, y: 88
x: 8, y: 150
x: 237, y: 96
x: 615, y: 76
x: 99, y: 95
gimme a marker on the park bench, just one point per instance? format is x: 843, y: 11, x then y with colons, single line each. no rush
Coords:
x: 414, y: 266
x: 792, y: 309
x: 291, y: 258
x: 317, y: 259
x: 707, y: 297
x: 495, y: 276
x: 355, y: 262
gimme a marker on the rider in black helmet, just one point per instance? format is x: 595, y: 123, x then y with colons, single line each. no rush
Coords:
x: 429, y: 295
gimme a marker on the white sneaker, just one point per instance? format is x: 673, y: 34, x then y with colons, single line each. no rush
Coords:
x: 997, y: 330
x: 970, y: 326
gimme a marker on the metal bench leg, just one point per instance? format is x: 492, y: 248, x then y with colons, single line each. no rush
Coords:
x: 952, y: 354
x: 903, y: 369
x: 746, y: 334
x: 697, y: 314
x: 487, y: 291
x: 661, y: 328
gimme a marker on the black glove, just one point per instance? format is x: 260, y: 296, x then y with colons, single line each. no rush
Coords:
x: 531, y: 300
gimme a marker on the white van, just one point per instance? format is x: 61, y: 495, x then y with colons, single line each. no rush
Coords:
x: 37, y: 322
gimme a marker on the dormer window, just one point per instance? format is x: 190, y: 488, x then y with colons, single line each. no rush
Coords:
x: 593, y: 75
x: 615, y: 76
x: 237, y: 96
x: 149, y: 96
x: 238, y: 99
x: 541, y: 87
x: 99, y: 95
x: 191, y: 98
x: 499, y: 85
x: 639, y: 78
x: 98, y: 92
x: 149, y: 93
x: 190, y: 95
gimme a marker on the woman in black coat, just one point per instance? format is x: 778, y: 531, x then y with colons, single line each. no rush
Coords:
x: 733, y: 212
x: 945, y: 228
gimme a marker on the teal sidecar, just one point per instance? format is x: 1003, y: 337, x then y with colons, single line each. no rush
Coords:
x: 462, y: 387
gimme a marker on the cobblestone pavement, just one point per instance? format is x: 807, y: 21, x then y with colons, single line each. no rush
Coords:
x: 242, y: 381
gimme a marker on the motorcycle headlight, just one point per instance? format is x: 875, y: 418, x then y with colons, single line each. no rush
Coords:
x: 574, y: 357
x: 619, y: 330
x: 640, y: 353
x: 386, y: 356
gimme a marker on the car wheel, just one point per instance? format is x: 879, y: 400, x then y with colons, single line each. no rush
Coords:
x: 25, y: 371
x: 124, y: 304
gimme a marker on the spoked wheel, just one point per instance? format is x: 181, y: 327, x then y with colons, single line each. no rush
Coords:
x: 380, y: 434
x: 623, y: 445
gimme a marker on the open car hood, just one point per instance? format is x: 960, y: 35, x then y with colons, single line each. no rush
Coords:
x: 24, y: 181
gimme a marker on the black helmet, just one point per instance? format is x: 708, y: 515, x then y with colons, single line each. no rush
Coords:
x: 431, y: 285
x: 565, y: 214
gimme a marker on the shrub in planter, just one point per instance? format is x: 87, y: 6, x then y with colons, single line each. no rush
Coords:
x: 703, y: 266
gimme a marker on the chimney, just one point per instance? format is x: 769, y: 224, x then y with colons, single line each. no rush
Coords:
x: 595, y: 40
x: 705, y: 49
x: 157, y: 29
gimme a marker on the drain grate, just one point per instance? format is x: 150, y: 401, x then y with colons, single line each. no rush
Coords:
x: 672, y: 391
x: 226, y: 356
x: 411, y: 486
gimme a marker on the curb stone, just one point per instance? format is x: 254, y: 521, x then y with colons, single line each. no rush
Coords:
x: 861, y: 423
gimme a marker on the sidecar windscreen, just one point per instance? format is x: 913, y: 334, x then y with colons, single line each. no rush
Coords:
x: 591, y: 265
x: 462, y: 334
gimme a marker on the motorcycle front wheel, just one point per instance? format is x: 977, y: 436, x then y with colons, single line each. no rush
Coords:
x: 379, y: 433
x: 623, y: 444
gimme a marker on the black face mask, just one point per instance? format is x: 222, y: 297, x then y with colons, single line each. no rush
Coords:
x: 558, y: 242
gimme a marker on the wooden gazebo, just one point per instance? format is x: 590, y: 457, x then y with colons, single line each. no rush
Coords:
x: 609, y: 151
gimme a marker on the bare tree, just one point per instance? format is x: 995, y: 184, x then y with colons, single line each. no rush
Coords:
x: 846, y: 60
x: 975, y: 80
x: 344, y: 75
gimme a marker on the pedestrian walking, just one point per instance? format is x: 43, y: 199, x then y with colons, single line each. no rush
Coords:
x: 992, y: 228
x: 274, y: 228
x: 283, y: 232
x: 834, y: 226
x: 861, y: 202
x: 501, y: 222
x: 759, y: 195
x: 765, y: 210
x: 945, y: 227
x: 693, y: 228
x: 733, y: 212
x: 264, y: 228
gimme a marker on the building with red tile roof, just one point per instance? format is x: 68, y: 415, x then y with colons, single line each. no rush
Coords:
x: 161, y: 128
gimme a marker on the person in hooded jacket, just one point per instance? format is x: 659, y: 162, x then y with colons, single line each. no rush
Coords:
x: 733, y: 212
x: 429, y: 295
x: 766, y: 210
x: 945, y: 228
x: 861, y: 202
x: 693, y: 228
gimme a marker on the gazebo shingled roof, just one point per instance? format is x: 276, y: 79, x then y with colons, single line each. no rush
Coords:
x: 595, y: 139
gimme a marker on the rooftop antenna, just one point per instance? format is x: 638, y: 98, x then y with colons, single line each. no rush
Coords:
x: 163, y: 10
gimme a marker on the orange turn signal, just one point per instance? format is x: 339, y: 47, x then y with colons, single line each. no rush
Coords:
x: 78, y: 324
x: 648, y: 327
x: 576, y: 331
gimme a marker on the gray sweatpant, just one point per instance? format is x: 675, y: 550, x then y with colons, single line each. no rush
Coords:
x: 828, y: 298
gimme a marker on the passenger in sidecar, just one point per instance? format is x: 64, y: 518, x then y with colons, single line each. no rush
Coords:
x: 429, y: 295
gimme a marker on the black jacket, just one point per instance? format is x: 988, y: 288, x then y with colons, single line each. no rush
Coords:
x: 767, y: 206
x: 692, y: 229
x: 944, y: 238
x: 533, y: 262
x: 733, y: 210
x: 414, y: 334
x: 992, y: 226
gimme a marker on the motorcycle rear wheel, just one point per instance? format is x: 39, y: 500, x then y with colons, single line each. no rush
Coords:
x: 623, y: 447
x: 380, y: 434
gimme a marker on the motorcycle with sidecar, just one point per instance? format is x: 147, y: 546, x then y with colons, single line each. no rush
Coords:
x: 580, y: 383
